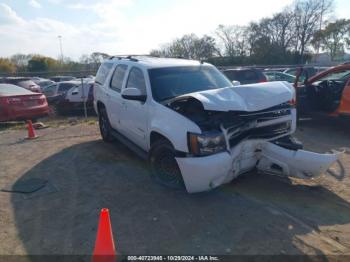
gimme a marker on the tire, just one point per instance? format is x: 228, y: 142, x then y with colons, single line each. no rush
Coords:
x: 105, y: 127
x: 164, y: 168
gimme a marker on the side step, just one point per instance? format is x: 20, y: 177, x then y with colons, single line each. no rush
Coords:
x: 132, y: 146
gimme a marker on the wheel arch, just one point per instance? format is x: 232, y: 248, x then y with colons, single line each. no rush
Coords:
x: 156, y: 136
x: 100, y: 105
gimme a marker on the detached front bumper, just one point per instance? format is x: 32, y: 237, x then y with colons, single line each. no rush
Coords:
x: 205, y: 173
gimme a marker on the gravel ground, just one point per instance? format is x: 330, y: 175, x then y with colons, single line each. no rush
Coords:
x: 255, y: 214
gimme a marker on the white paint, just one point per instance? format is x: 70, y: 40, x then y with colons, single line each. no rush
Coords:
x: 248, y: 98
x: 206, y: 173
x: 139, y: 120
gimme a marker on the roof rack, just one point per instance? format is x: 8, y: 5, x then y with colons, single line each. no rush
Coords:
x: 129, y: 57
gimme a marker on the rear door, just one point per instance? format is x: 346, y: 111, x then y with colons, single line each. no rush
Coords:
x: 114, y: 99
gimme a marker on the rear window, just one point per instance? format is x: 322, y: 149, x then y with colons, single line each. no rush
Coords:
x: 8, y: 90
x: 103, y: 72
x: 242, y: 75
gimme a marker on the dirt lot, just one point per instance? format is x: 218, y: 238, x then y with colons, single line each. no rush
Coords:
x: 256, y: 214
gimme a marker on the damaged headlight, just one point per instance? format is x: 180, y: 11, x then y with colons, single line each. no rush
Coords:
x: 207, y: 143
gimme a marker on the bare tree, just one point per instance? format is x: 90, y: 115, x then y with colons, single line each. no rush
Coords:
x: 233, y: 39
x: 308, y: 15
x: 281, y: 29
x: 20, y: 60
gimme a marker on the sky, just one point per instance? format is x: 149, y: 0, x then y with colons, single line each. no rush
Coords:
x: 122, y: 26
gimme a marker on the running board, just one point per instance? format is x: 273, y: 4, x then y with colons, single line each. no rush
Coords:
x: 125, y: 141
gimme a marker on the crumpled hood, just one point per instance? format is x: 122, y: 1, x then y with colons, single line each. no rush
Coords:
x: 247, y: 98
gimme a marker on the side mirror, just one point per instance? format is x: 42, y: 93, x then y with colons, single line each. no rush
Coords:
x: 75, y: 92
x: 132, y: 93
x: 236, y: 83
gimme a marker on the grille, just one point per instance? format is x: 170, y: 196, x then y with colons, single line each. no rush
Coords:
x: 247, y: 125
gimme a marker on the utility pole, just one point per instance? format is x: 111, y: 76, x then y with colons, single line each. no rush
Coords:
x: 60, y: 42
x: 321, y: 20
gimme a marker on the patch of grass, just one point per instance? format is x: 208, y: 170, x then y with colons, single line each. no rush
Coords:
x: 50, y: 122
x: 12, y: 126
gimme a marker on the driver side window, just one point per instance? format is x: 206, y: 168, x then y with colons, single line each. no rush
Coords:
x: 137, y: 80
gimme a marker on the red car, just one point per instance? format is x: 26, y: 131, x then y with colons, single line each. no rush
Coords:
x: 17, y: 103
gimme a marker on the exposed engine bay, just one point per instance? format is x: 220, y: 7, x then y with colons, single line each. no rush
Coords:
x: 271, y: 123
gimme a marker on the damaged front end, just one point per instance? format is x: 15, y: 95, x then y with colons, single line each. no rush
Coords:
x: 235, y: 142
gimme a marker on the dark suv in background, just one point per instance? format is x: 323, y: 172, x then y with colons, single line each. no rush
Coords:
x: 245, y: 75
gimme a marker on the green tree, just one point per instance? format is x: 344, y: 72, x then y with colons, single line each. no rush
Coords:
x: 333, y: 38
x: 6, y: 66
x: 189, y: 46
x: 38, y: 64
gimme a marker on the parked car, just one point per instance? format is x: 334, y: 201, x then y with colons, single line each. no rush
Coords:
x: 24, y: 82
x: 328, y: 92
x: 197, y: 130
x: 68, y: 96
x: 62, y: 78
x: 42, y: 82
x: 17, y: 103
x: 58, y: 88
x: 245, y: 75
x: 76, y: 97
x: 279, y: 76
x: 307, y: 72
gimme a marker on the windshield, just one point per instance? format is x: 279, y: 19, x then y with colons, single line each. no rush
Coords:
x: 171, y: 82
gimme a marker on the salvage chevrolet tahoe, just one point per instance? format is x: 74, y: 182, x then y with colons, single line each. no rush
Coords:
x: 197, y: 130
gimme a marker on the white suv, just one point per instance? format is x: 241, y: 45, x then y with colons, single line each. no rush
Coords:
x: 197, y: 129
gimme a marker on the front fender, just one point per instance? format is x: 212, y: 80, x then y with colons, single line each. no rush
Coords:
x: 171, y: 125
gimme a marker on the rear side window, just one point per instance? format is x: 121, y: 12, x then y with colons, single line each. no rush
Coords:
x: 249, y: 75
x: 65, y: 87
x: 137, y: 80
x: 50, y: 90
x: 118, y: 77
x: 103, y: 72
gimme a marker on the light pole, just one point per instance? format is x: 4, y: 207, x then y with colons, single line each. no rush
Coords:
x: 60, y: 42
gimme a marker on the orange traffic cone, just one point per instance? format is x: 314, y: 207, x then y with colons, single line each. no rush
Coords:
x: 104, y: 246
x: 31, y: 132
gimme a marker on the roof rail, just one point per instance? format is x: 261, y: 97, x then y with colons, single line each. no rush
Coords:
x: 129, y: 57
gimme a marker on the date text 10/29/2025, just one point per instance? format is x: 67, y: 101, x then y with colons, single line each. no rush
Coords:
x: 173, y: 258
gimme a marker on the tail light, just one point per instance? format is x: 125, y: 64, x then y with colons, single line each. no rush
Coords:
x: 42, y: 99
x: 263, y: 81
x: 13, y: 100
x: 292, y: 102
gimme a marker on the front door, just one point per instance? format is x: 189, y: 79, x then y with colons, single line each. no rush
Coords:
x: 135, y: 113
